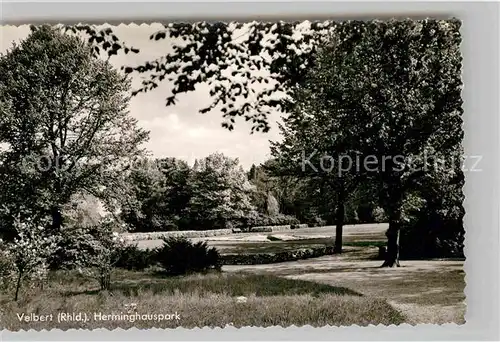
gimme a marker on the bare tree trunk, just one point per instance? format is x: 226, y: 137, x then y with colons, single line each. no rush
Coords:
x: 339, y: 220
x: 105, y: 280
x: 392, y: 253
x: 57, y: 219
x: 339, y: 226
x: 18, y: 286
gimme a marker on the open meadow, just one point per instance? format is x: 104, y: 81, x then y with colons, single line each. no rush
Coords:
x: 214, y: 299
x: 344, y: 289
x: 424, y: 291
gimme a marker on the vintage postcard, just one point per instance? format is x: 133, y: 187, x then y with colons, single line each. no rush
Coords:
x: 215, y: 174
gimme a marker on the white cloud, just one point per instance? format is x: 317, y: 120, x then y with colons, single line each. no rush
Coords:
x: 197, y: 132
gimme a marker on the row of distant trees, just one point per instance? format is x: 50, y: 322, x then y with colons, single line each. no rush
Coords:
x: 216, y: 192
x: 168, y: 194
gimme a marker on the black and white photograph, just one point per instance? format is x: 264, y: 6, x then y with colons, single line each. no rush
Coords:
x: 239, y: 173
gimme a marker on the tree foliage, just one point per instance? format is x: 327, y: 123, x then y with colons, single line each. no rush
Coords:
x: 244, y: 64
x: 220, y: 192
x: 405, y: 82
x: 65, y: 121
x: 158, y: 197
x: 28, y: 254
x: 389, y: 91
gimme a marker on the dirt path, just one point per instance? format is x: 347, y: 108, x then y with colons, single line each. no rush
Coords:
x: 425, y: 291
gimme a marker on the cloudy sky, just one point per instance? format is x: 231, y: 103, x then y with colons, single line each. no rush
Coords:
x: 179, y: 130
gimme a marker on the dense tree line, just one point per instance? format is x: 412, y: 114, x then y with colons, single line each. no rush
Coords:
x: 168, y: 194
x: 215, y: 193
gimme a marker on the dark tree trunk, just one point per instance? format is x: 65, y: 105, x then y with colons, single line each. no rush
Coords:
x: 339, y: 225
x: 105, y: 281
x: 18, y: 286
x: 57, y: 219
x: 339, y: 220
x: 392, y: 253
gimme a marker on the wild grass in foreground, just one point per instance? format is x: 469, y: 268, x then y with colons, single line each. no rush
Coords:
x: 198, y: 300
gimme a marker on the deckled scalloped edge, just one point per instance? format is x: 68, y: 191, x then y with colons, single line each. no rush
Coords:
x: 465, y: 218
x: 232, y: 328
x: 248, y: 20
x: 277, y: 327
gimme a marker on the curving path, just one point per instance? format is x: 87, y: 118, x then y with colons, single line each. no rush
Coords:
x: 426, y: 291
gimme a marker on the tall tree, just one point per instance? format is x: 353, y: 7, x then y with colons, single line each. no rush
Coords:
x: 64, y: 120
x: 220, y: 192
x: 317, y: 137
x: 400, y: 81
x: 265, y: 190
x: 144, y: 207
x: 177, y: 174
x: 388, y: 91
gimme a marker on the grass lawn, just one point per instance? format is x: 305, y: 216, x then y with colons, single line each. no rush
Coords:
x: 276, y: 246
x: 199, y: 300
x: 425, y: 291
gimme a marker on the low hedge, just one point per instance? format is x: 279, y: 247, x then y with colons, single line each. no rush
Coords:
x: 271, y: 258
x: 260, y: 220
x: 270, y: 229
x: 186, y: 233
x: 300, y: 225
x: 133, y: 258
x: 209, y: 233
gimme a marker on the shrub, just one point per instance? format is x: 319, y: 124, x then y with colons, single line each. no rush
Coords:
x: 6, y: 267
x: 316, y: 221
x: 270, y: 229
x: 379, y: 215
x: 272, y: 206
x: 273, y: 238
x: 178, y: 255
x: 92, y: 250
x: 432, y: 237
x: 260, y: 220
x: 133, y: 258
x: 81, y: 246
x: 74, y: 244
x: 106, y: 245
x: 28, y: 253
x: 300, y: 225
x: 435, y: 229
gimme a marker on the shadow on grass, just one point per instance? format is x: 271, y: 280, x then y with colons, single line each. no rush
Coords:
x: 78, y: 293
x: 346, y: 269
x: 230, y: 284
x: 365, y: 244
